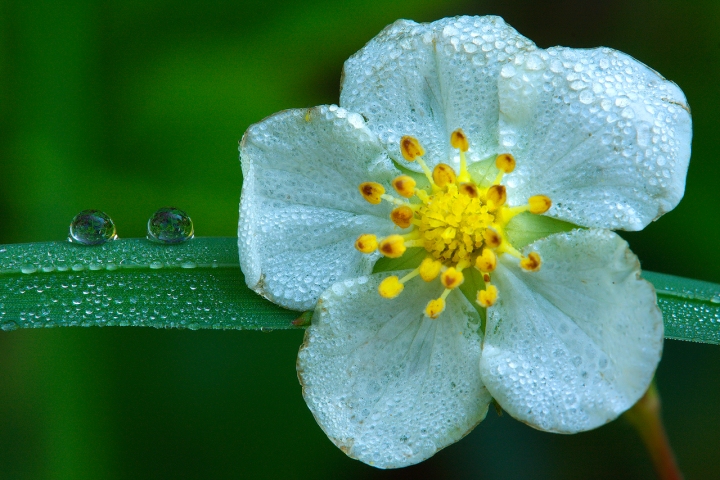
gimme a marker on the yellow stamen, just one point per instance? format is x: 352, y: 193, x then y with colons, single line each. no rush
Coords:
x: 487, y: 298
x: 392, y: 246
x: 459, y: 140
x: 505, y: 163
x: 492, y: 238
x: 411, y: 148
x: 366, y: 243
x: 402, y: 216
x: 452, y: 278
x: 539, y: 204
x: 496, y: 196
x: 391, y: 287
x: 487, y: 261
x: 430, y: 269
x: 469, y: 189
x: 531, y: 263
x: 443, y: 175
x: 372, y: 192
x: 404, y: 185
x: 435, y: 307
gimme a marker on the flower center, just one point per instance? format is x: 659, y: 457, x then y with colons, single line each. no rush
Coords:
x: 459, y: 223
x: 452, y: 224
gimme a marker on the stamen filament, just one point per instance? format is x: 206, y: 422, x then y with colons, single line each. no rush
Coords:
x: 464, y: 175
x: 427, y: 171
x: 415, y: 243
x: 393, y: 200
x: 498, y: 178
x: 509, y: 212
x: 505, y: 247
x: 414, y: 235
x: 410, y: 275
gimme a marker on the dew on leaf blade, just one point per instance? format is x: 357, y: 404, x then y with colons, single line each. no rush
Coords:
x: 92, y: 227
x: 170, y: 225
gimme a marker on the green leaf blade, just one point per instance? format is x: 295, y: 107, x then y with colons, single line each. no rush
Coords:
x: 132, y: 282
x: 691, y: 308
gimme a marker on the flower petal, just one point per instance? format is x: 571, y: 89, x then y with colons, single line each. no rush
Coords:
x: 388, y: 385
x: 426, y: 80
x: 301, y: 211
x: 571, y: 347
x: 601, y: 134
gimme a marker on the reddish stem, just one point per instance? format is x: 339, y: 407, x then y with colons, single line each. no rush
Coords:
x: 645, y: 417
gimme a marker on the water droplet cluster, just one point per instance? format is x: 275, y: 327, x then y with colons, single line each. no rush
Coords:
x: 129, y: 282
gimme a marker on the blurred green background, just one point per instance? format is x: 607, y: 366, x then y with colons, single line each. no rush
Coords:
x: 127, y: 106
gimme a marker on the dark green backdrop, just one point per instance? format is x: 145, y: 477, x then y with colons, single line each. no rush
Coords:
x: 127, y: 106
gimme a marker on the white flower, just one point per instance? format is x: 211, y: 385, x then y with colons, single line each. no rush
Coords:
x: 491, y: 146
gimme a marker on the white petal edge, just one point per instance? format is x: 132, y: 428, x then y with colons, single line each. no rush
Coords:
x: 388, y: 385
x: 300, y: 210
x: 601, y: 134
x: 571, y: 347
x: 426, y: 80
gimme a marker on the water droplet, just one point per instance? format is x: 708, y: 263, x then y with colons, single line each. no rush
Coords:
x: 8, y: 326
x: 170, y: 225
x: 92, y: 227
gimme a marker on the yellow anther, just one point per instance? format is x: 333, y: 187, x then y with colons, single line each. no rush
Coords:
x: 390, y: 287
x: 469, y: 189
x: 452, y: 278
x: 539, y: 204
x: 486, y: 261
x: 492, y: 238
x: 435, y: 308
x: 459, y: 140
x: 366, y: 243
x: 531, y: 263
x: 392, y: 246
x: 496, y: 196
x: 372, y: 192
x: 411, y: 148
x: 430, y: 269
x: 404, y: 185
x: 488, y: 297
x: 402, y: 216
x: 505, y: 162
x: 443, y: 174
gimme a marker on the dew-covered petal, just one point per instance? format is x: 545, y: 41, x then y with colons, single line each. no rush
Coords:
x: 388, y: 385
x: 426, y: 80
x: 572, y: 346
x: 301, y: 210
x: 604, y: 136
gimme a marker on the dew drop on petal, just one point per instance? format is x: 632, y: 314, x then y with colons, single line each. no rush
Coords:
x: 170, y: 225
x: 92, y: 227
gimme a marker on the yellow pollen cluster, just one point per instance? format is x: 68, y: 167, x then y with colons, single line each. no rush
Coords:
x: 459, y: 223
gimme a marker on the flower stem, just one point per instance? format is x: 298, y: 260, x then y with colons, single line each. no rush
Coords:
x: 645, y: 417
